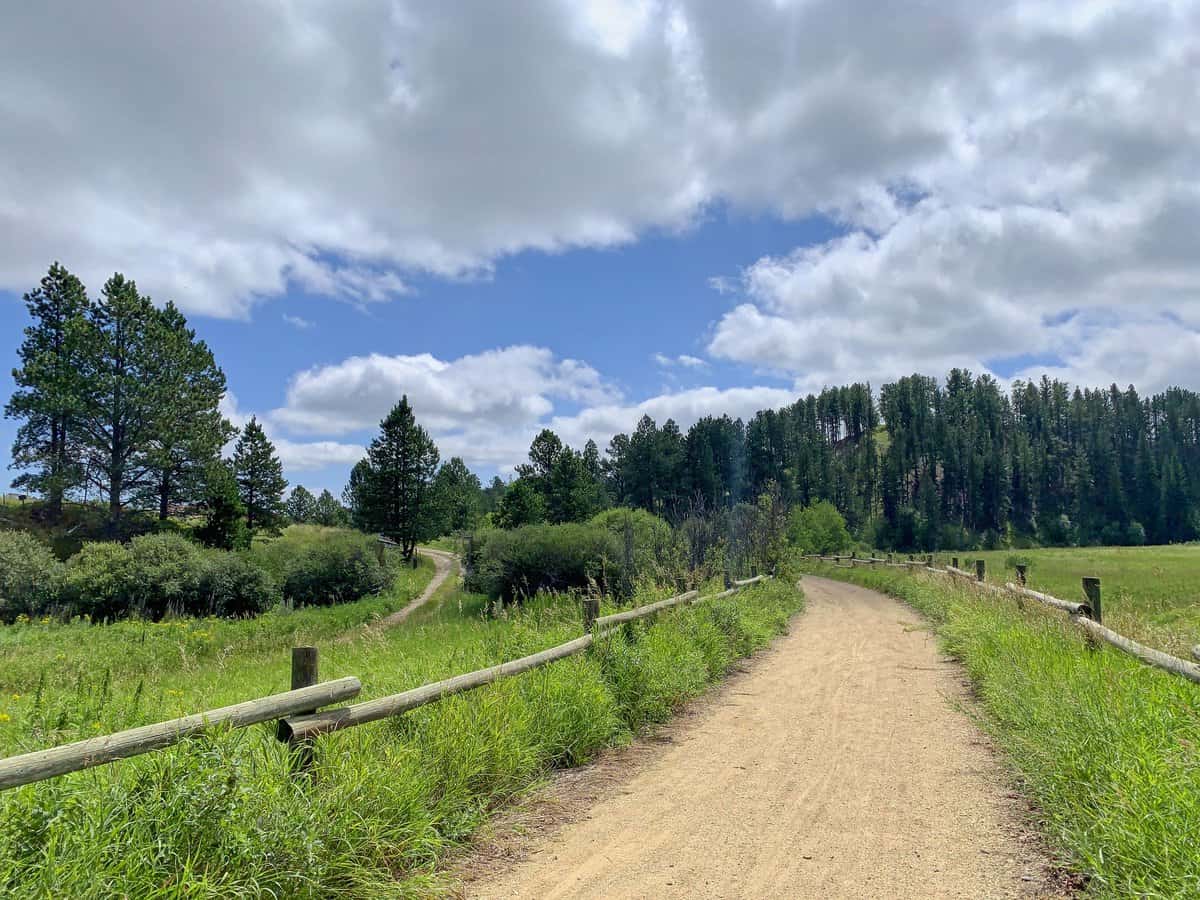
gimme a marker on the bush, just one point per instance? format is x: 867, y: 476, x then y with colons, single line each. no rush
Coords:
x: 818, y: 528
x: 234, y: 587
x: 519, y: 563
x: 30, y: 576
x: 657, y: 552
x: 323, y: 566
x: 153, y: 575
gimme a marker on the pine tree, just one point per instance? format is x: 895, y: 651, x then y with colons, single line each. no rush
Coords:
x: 301, y: 506
x: 329, y: 512
x: 225, y: 515
x: 47, y: 395
x: 189, y: 429
x: 122, y: 391
x: 259, y: 476
x: 393, y: 495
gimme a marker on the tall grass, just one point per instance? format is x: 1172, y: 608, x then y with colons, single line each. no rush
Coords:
x: 64, y: 681
x: 1109, y: 749
x: 220, y: 816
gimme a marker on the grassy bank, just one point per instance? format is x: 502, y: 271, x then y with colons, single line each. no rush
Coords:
x: 1108, y: 749
x: 220, y: 816
x: 1150, y: 593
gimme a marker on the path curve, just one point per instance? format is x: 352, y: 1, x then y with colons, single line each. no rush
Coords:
x: 840, y: 764
x: 444, y: 564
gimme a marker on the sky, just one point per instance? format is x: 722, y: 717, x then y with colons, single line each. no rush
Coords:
x: 567, y: 214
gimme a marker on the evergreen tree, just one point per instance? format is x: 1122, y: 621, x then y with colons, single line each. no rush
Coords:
x: 458, y: 496
x: 122, y: 391
x: 225, y: 515
x: 259, y: 476
x: 189, y: 429
x: 301, y: 506
x: 393, y: 493
x: 48, y: 388
x: 329, y: 512
x: 522, y: 504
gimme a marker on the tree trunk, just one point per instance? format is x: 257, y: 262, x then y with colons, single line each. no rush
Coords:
x: 164, y: 495
x: 54, y: 495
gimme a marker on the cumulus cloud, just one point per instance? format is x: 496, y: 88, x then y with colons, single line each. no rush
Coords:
x: 296, y: 456
x: 487, y: 407
x: 507, y: 387
x: 1060, y: 218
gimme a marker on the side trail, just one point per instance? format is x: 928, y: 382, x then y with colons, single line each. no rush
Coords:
x: 444, y: 564
x: 841, y: 764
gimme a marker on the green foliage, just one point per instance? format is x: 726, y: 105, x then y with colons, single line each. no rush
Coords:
x: 522, y: 504
x: 225, y: 515
x: 222, y: 813
x: 152, y: 575
x: 818, y: 528
x: 47, y: 389
x: 232, y: 585
x: 657, y: 553
x: 515, y: 564
x: 390, y: 491
x: 30, y: 576
x: 329, y: 512
x: 322, y: 566
x: 301, y: 506
x: 457, y: 496
x: 259, y: 477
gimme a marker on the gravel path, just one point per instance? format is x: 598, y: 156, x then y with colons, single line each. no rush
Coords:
x: 841, y: 764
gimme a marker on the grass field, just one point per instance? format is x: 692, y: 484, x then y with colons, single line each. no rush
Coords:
x: 61, y: 682
x: 1108, y: 748
x: 1149, y: 593
x: 221, y: 815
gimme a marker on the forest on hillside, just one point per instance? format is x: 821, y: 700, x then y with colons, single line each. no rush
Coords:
x: 925, y: 464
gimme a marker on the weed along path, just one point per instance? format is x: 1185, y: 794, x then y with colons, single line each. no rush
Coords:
x: 839, y: 764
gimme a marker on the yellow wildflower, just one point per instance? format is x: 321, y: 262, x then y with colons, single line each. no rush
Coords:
x: 16, y: 696
x: 4, y: 717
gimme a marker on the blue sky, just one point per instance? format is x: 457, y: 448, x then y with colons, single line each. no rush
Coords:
x: 575, y: 213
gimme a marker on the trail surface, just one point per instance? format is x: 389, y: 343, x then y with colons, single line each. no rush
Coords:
x: 444, y: 564
x: 839, y: 765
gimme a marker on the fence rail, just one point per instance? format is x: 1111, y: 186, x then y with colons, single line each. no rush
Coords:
x: 1088, y: 615
x: 298, y: 711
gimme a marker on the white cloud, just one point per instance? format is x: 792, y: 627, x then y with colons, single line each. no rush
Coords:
x: 683, y: 361
x: 296, y: 456
x: 488, y: 406
x: 508, y: 388
x: 297, y: 322
x: 994, y: 165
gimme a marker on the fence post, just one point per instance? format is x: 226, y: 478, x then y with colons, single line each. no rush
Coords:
x: 591, y: 612
x: 980, y: 569
x: 954, y: 562
x: 1021, y: 574
x: 304, y: 674
x: 1091, y: 588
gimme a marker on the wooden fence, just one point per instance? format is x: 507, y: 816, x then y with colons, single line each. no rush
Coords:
x: 298, y: 711
x: 1088, y: 615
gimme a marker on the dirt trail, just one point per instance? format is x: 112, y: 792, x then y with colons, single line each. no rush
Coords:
x: 837, y: 766
x: 444, y: 564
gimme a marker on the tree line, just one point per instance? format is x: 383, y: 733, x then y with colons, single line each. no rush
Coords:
x: 923, y: 465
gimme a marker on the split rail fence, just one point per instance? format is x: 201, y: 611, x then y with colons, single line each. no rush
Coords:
x: 1088, y: 615
x: 298, y: 712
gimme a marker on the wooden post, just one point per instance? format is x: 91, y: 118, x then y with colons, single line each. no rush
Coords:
x: 980, y: 569
x: 591, y: 612
x: 891, y: 557
x: 1091, y: 589
x: 1021, y: 570
x: 954, y: 562
x: 304, y: 674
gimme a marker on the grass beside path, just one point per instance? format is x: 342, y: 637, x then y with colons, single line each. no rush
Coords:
x: 61, y: 682
x: 220, y: 815
x: 1108, y: 749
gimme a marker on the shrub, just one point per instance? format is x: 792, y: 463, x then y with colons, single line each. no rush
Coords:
x: 657, y: 552
x: 818, y: 528
x: 30, y: 576
x: 97, y: 578
x: 153, y: 575
x: 519, y: 563
x: 321, y: 566
x: 232, y: 585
